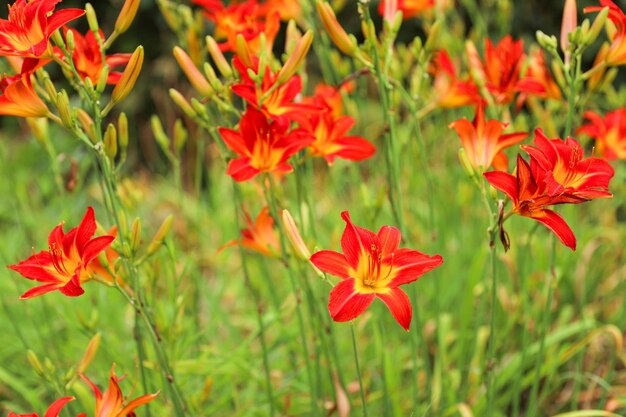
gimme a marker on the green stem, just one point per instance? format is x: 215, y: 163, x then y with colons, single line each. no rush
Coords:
x: 491, y: 356
x: 358, y: 370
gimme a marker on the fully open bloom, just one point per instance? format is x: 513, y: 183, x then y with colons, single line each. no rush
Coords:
x: 409, y: 8
x: 66, y: 263
x: 372, y: 266
x: 19, y: 98
x: 450, y: 91
x: 557, y: 174
x: 609, y: 132
x: 616, y: 54
x: 484, y: 142
x: 245, y: 18
x: 52, y: 411
x: 562, y: 167
x: 87, y: 57
x: 260, y: 235
x: 275, y: 101
x: 263, y: 146
x: 30, y: 25
x: 501, y: 68
x: 112, y: 403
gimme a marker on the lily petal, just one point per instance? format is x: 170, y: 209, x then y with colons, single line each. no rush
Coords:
x: 346, y: 303
x: 400, y: 306
x: 331, y: 262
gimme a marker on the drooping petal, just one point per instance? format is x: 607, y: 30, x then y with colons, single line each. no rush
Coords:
x: 55, y: 407
x: 400, y: 306
x: 40, y: 290
x: 557, y: 225
x: 409, y: 265
x: 73, y: 287
x: 331, y: 262
x: 241, y: 170
x: 346, y: 303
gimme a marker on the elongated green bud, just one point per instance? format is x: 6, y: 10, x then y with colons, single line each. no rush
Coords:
x: 126, y: 16
x: 218, y: 57
x: 65, y: 111
x: 92, y: 20
x: 184, y: 105
x: 110, y: 142
x: 159, y: 134
x: 135, y: 234
x: 193, y: 75
x: 592, y: 34
x: 160, y: 235
x: 180, y: 135
x: 90, y: 353
x: 296, y: 58
x: 129, y: 76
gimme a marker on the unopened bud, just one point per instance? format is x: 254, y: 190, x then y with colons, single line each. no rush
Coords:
x: 292, y: 36
x: 135, y: 234
x: 69, y: 41
x: 180, y: 135
x: 34, y: 362
x: 337, y: 34
x: 296, y: 58
x: 122, y: 135
x: 547, y: 42
x: 160, y: 235
x: 568, y: 25
x: 433, y: 36
x: 87, y: 124
x: 126, y: 16
x: 159, y: 134
x: 90, y: 353
x: 39, y: 128
x: 102, y: 80
x: 294, y: 236
x: 198, y: 107
x: 218, y: 57
x: 129, y: 76
x: 92, y: 21
x: 63, y: 107
x: 466, y: 164
x: 243, y: 52
x: 193, y: 75
x: 592, y: 34
x: 215, y: 82
x: 50, y: 89
x: 184, y: 105
x: 110, y: 142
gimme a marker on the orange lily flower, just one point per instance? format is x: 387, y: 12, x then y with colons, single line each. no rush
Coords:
x: 19, y: 98
x: 501, y: 68
x: 451, y: 92
x: 259, y: 235
x: 52, y: 411
x: 409, y: 8
x: 275, y: 101
x: 87, y: 57
x: 111, y: 403
x: 372, y: 266
x: 609, y: 133
x: 263, y: 146
x: 30, y: 25
x: 246, y: 18
x: 538, y: 80
x: 616, y: 54
x: 563, y: 168
x: 287, y: 9
x: 66, y: 265
x: 484, y: 142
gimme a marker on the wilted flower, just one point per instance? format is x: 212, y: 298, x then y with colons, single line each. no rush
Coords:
x: 66, y: 264
x: 262, y: 146
x: 609, y: 132
x: 112, y: 403
x: 484, y: 142
x: 372, y: 266
x: 30, y: 25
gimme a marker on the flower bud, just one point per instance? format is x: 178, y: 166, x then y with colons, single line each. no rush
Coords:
x: 568, y: 25
x: 160, y: 235
x: 51, y: 90
x: 243, y: 52
x: 135, y: 234
x: 39, y: 128
x: 198, y: 107
x: 432, y: 36
x: 218, y: 57
x: 102, y: 80
x: 592, y: 34
x: 69, y: 41
x: 110, y: 142
x: 126, y: 16
x: 193, y: 75
x: 122, y: 135
x: 34, y: 362
x: 129, y: 76
x: 292, y: 37
x: 466, y: 164
x: 87, y: 124
x: 548, y: 43
x: 64, y: 109
x: 294, y: 236
x: 337, y: 34
x: 296, y: 58
x: 89, y: 354
x: 180, y: 135
x: 159, y: 134
x: 184, y: 105
x: 92, y: 21
x: 215, y: 82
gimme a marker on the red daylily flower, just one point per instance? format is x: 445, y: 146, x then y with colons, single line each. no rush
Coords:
x: 279, y: 103
x: 538, y: 80
x: 87, y: 57
x: 609, y: 133
x: 484, y: 142
x: 530, y: 198
x: 409, y: 8
x: 450, y: 91
x: 52, y: 411
x: 263, y: 146
x: 372, y: 266
x: 616, y: 54
x: 66, y: 265
x: 247, y: 18
x: 501, y: 68
x: 30, y: 25
x: 260, y: 235
x: 563, y: 168
x: 287, y: 9
x: 19, y: 98
x: 111, y: 403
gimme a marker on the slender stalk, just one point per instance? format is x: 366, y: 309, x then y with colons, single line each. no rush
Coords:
x: 491, y: 358
x: 358, y: 370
